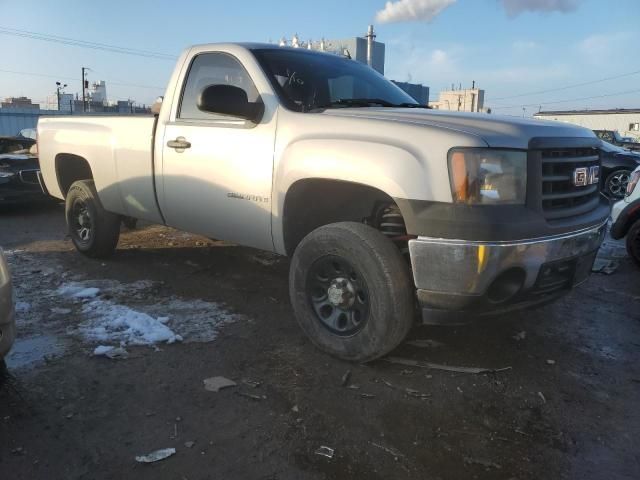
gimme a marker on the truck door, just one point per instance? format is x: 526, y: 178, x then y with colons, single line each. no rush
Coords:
x: 217, y: 169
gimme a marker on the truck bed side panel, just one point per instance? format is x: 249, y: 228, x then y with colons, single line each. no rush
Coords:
x: 118, y: 150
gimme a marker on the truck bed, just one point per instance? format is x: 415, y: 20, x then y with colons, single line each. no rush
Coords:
x: 119, y: 152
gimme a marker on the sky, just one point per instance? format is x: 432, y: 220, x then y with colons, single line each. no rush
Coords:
x: 510, y: 48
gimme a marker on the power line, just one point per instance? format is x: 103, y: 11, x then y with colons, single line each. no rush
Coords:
x: 85, y: 44
x: 61, y: 77
x: 539, y: 92
x: 566, y: 101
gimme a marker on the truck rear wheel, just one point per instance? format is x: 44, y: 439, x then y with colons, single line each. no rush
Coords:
x: 633, y: 242
x: 351, y: 291
x: 93, y: 230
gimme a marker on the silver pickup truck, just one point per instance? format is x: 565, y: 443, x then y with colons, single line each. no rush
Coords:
x: 385, y: 207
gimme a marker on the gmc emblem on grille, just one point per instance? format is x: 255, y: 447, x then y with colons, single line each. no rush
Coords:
x: 584, y: 176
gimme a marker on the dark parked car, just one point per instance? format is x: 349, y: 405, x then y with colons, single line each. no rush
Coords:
x: 617, y: 165
x: 19, y: 179
x: 15, y: 144
x: 616, y: 139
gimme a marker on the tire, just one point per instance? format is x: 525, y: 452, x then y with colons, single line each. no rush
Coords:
x: 357, y: 265
x: 615, y: 185
x: 633, y: 242
x: 93, y: 230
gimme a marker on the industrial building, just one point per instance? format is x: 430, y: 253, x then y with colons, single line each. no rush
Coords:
x: 20, y: 103
x: 625, y: 121
x: 418, y: 92
x: 461, y: 100
x: 364, y: 50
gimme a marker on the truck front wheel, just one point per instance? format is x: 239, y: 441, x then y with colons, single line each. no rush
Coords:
x: 92, y: 229
x: 351, y: 291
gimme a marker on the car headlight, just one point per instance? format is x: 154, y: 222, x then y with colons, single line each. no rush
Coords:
x: 6, y: 174
x: 633, y: 181
x: 483, y: 176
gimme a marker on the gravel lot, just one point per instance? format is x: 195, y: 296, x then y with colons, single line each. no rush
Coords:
x: 565, y: 405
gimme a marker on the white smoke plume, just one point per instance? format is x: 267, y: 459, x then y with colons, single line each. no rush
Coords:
x: 412, y: 10
x: 516, y: 7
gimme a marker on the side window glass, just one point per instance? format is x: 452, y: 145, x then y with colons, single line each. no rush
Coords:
x: 213, y: 69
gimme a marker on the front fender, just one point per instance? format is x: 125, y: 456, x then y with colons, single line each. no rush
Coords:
x: 396, y: 171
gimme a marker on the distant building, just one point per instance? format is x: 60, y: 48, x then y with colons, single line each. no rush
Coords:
x: 66, y: 102
x: 417, y: 91
x: 98, y: 92
x: 625, y: 121
x: 19, y: 102
x: 463, y: 100
x: 356, y: 48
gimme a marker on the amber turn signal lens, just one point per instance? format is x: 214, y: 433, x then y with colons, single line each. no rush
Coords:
x: 459, y: 177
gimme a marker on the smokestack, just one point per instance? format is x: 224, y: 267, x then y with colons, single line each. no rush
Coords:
x: 371, y: 36
x: 473, y: 85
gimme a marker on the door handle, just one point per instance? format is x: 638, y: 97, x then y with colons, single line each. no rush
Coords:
x: 180, y: 144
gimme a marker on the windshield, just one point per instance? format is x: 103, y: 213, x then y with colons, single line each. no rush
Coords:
x: 308, y: 81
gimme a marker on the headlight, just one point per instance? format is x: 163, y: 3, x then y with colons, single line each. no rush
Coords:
x: 6, y: 174
x: 482, y: 176
x: 633, y: 181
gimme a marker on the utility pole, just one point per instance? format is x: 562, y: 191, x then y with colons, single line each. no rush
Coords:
x: 84, y: 88
x: 59, y: 87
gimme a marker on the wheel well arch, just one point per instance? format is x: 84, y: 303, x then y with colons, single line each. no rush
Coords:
x: 313, y: 202
x: 71, y: 168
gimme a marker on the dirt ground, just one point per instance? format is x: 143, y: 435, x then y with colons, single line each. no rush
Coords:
x: 566, y: 408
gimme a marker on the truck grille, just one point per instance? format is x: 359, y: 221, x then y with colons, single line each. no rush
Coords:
x: 560, y: 197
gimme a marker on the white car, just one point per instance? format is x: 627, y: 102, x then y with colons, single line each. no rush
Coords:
x: 7, y: 310
x: 626, y: 217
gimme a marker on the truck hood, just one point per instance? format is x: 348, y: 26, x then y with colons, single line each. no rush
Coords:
x: 496, y: 130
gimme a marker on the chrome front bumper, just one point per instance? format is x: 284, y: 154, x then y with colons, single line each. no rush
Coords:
x: 459, y: 275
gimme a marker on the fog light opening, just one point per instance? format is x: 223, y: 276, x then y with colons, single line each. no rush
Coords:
x: 506, y: 286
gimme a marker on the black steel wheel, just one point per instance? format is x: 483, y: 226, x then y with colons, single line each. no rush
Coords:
x: 352, y: 291
x: 81, y: 222
x: 93, y: 230
x: 616, y: 184
x: 338, y: 294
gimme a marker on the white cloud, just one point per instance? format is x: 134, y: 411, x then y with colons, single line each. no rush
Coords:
x: 516, y: 7
x: 439, y: 57
x: 412, y: 10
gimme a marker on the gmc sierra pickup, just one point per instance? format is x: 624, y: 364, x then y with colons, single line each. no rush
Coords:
x: 382, y: 204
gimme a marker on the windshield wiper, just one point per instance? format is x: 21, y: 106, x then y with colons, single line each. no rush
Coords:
x: 365, y: 102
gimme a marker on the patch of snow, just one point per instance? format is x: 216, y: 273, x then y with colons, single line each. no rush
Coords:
x: 110, y: 322
x: 135, y: 314
x: 103, y: 349
x: 77, y: 291
x: 110, y: 352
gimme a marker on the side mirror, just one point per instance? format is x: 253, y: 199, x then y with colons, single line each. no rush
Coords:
x: 155, y: 108
x: 229, y: 100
